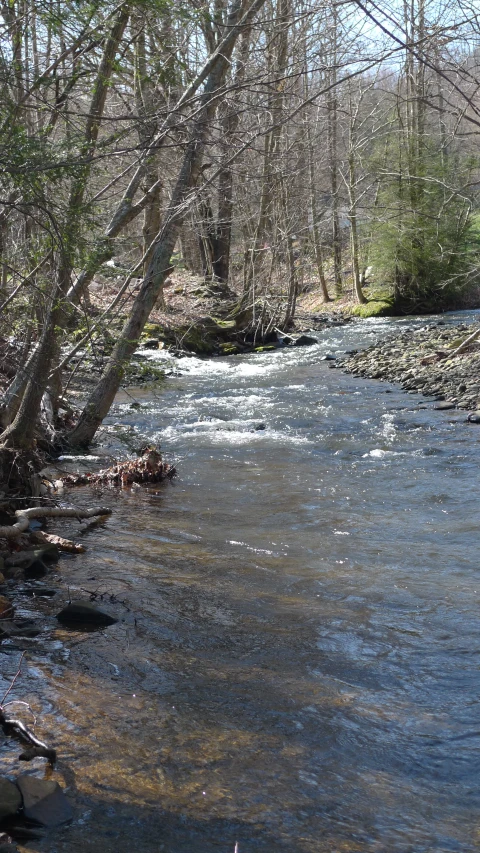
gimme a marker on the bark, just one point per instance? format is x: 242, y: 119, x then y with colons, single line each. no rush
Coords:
x: 332, y: 107
x: 317, y: 243
x: 20, y: 433
x: 230, y: 118
x: 13, y: 531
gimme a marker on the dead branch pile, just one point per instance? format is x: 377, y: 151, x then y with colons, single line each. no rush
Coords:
x: 149, y: 468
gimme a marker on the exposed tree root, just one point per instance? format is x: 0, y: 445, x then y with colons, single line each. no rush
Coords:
x: 149, y: 468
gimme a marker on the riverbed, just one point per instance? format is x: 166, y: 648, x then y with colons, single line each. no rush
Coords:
x: 296, y: 663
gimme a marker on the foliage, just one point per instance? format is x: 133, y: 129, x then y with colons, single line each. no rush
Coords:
x: 373, y: 309
x: 423, y: 244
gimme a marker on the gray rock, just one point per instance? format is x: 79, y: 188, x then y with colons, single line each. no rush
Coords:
x: 10, y: 799
x: 20, y: 628
x: 24, y: 559
x: 44, y: 801
x: 84, y: 613
x: 304, y: 341
x: 151, y: 343
x: 474, y: 417
x: 445, y: 406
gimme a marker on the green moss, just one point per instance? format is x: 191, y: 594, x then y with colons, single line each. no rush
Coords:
x: 151, y: 330
x: 229, y: 325
x: 266, y: 348
x: 376, y: 308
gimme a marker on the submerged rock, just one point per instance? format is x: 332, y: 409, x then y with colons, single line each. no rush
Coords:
x: 445, y: 406
x: 10, y: 799
x: 19, y: 628
x: 80, y: 614
x: 6, y: 608
x: 44, y: 801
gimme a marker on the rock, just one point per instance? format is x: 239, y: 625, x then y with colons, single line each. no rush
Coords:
x: 6, y: 608
x: 2, y: 578
x: 329, y: 357
x: 84, y: 613
x: 24, y: 559
x: 474, y: 417
x: 7, y: 844
x: 151, y: 343
x: 305, y: 341
x: 10, y: 798
x: 44, y: 801
x: 259, y: 426
x: 445, y: 406
x: 285, y: 340
x: 20, y: 628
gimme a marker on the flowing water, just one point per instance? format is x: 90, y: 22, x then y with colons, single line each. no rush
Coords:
x: 296, y: 662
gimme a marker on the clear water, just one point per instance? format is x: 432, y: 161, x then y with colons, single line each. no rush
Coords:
x: 296, y: 665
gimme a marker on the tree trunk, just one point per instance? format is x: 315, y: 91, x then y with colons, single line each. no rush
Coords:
x: 102, y: 397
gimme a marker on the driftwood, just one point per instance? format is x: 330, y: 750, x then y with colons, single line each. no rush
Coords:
x: 36, y: 746
x: 13, y: 531
x: 466, y: 343
x: 149, y: 468
x: 66, y: 545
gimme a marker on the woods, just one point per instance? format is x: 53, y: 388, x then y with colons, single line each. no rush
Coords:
x: 273, y: 148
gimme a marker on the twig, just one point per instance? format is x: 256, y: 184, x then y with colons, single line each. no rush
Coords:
x: 36, y: 746
x: 14, y: 679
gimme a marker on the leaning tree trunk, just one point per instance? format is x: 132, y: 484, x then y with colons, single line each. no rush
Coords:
x: 103, y: 395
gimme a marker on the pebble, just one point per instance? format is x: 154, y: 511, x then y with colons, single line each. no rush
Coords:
x: 420, y: 361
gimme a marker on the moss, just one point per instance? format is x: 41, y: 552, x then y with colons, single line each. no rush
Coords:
x: 266, y: 348
x: 229, y: 325
x: 376, y: 308
x: 229, y: 349
x: 151, y: 330
x: 141, y: 374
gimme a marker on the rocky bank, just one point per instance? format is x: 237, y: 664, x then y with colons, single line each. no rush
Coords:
x: 424, y: 361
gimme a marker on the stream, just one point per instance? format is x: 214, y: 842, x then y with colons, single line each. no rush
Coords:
x: 295, y: 669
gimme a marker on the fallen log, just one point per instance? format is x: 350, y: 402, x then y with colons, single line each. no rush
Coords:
x: 13, y: 531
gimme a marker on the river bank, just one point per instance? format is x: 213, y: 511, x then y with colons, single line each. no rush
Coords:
x: 430, y: 360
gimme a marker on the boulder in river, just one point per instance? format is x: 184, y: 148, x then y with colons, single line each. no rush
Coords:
x: 304, y: 341
x: 445, y: 406
x: 474, y: 417
x: 44, y: 801
x: 84, y: 614
x: 10, y: 799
